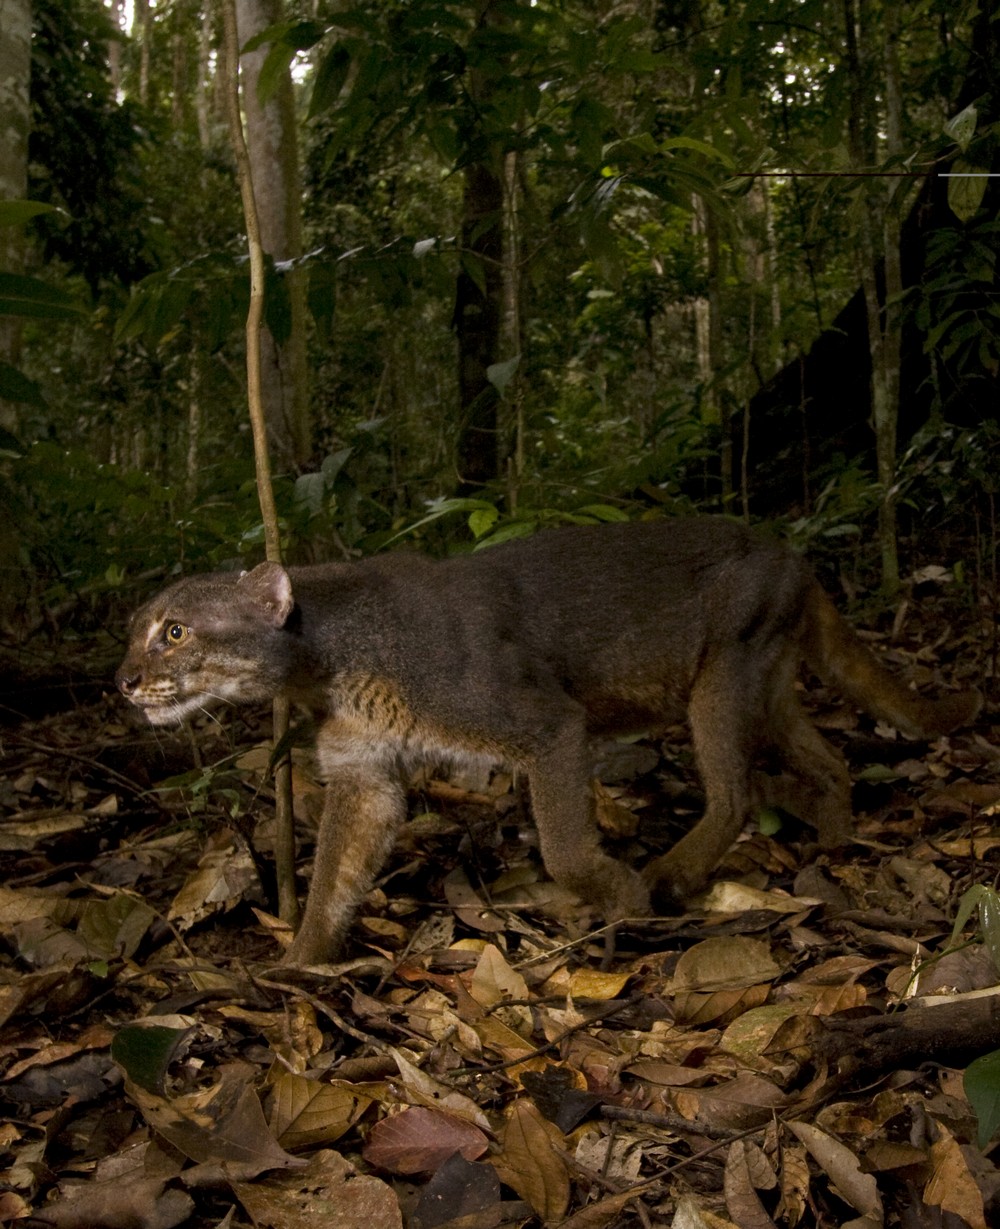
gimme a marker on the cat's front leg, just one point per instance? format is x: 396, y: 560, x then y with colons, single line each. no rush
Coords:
x: 364, y: 807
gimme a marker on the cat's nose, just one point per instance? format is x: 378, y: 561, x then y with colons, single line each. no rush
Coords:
x: 127, y: 683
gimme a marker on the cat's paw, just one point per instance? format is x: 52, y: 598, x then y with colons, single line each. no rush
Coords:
x: 670, y: 884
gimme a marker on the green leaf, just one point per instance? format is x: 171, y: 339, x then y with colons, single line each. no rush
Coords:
x: 501, y: 374
x: 482, y: 520
x: 144, y: 1052
x: 28, y: 296
x: 982, y: 1086
x: 966, y: 907
x: 309, y: 491
x: 15, y: 386
x: 439, y: 508
x: 604, y: 512
x: 701, y: 147
x: 966, y: 188
x: 989, y: 924
x: 329, y: 79
x: 472, y: 267
x: 513, y: 529
x: 299, y: 35
x: 16, y: 213
x: 274, y: 70
x: 962, y: 126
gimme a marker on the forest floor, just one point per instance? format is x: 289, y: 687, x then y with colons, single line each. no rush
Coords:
x: 484, y: 1057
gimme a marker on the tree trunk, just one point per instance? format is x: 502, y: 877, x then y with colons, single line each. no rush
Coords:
x: 271, y: 136
x: 883, y: 325
x: 143, y: 24
x: 202, y: 98
x: 477, y: 322
x: 15, y: 76
x: 479, y: 290
x: 708, y: 326
x: 511, y: 329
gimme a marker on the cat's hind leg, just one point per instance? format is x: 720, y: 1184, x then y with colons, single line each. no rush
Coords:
x: 726, y: 711
x: 557, y: 760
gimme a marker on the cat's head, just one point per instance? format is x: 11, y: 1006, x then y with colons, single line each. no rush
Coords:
x: 206, y: 639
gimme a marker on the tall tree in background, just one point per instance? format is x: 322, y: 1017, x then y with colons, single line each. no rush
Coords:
x: 878, y: 231
x: 479, y: 291
x: 15, y: 72
x: 273, y: 142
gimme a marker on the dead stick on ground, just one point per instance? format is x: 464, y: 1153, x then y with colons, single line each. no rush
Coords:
x: 952, y: 1034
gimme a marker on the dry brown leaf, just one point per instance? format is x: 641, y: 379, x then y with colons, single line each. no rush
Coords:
x: 750, y: 1034
x: 494, y: 982
x: 728, y: 897
x: 222, y: 877
x: 951, y: 1186
x: 885, y: 1154
x: 595, y: 984
x: 470, y: 906
x: 742, y: 1201
x: 329, y: 1192
x: 96, y: 1037
x: 460, y: 1195
x: 603, y: 1211
x: 305, y: 1111
x: 529, y: 1162
x: 732, y: 963
x: 223, y: 1125
x: 794, y: 1183
x: 746, y: 1101
x: 419, y: 1140
x: 844, y: 1170
x: 690, y: 1216
x: 720, y: 1006
x: 422, y: 1089
x: 613, y: 817
x: 136, y: 1203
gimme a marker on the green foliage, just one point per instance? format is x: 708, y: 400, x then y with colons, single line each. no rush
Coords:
x: 144, y: 1052
x: 490, y: 526
x: 31, y: 297
x: 614, y: 123
x: 956, y: 309
x: 84, y: 148
x: 981, y: 1082
x: 987, y: 901
x: 982, y: 1076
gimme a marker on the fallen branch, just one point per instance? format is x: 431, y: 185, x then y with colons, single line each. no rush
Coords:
x: 952, y: 1034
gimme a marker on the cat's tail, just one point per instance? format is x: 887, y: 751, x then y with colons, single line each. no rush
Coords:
x: 835, y: 653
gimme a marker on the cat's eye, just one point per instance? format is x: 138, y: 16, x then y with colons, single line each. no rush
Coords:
x: 176, y: 632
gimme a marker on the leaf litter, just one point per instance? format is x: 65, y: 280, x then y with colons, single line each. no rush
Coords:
x: 484, y: 1056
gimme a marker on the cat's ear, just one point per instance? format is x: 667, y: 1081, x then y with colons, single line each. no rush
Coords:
x: 269, y: 587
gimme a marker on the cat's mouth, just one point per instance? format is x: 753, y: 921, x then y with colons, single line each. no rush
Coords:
x: 171, y: 711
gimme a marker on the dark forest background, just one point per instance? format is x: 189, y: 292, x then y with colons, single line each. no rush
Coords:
x: 529, y: 263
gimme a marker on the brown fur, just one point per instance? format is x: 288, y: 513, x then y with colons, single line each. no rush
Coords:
x: 520, y: 653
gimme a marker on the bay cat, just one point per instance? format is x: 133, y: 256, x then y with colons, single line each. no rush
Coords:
x: 520, y: 653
